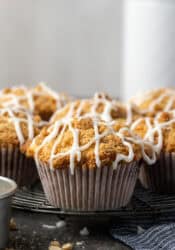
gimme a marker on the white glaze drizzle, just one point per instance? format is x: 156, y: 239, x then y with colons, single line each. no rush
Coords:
x: 154, y: 126
x: 99, y: 98
x: 129, y: 113
x: 28, y: 119
x: 56, y: 133
x: 167, y: 93
x: 108, y: 106
x: 11, y: 99
x: 97, y: 143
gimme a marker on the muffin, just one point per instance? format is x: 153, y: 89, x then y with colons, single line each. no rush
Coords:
x: 152, y: 102
x: 160, y: 131
x: 17, y: 126
x: 40, y: 100
x: 88, y: 164
x: 101, y: 106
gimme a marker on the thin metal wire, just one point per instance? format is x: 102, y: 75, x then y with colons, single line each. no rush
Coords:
x: 143, y: 203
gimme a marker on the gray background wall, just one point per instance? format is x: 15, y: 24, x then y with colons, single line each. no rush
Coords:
x: 74, y: 45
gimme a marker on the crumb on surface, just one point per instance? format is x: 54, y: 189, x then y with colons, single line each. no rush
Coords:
x: 84, y: 232
x: 54, y: 248
x: 140, y: 230
x: 79, y: 243
x: 60, y: 224
x: 13, y: 225
x: 55, y: 245
x: 67, y: 246
x: 48, y: 226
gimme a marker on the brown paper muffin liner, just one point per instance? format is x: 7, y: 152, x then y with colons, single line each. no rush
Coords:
x: 89, y: 189
x: 160, y: 177
x: 17, y: 166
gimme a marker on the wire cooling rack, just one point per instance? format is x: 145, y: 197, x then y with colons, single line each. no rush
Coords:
x: 143, y: 203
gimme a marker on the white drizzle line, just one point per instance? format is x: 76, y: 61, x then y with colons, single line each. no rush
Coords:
x: 14, y: 100
x: 129, y: 113
x: 120, y: 157
x: 97, y: 143
x: 99, y: 98
x: 28, y: 96
x: 28, y: 119
x: 52, y: 93
x: 169, y: 93
x: 154, y: 127
x: 157, y: 101
x: 56, y: 133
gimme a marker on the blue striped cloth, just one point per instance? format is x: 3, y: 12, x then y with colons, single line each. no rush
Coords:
x: 154, y: 238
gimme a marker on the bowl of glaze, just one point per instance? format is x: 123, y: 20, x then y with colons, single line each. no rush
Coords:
x: 7, y: 190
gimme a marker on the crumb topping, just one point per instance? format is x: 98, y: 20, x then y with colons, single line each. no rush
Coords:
x: 40, y: 100
x: 17, y: 126
x: 88, y: 142
x: 13, y: 225
x: 160, y: 131
x: 101, y: 106
x: 158, y: 100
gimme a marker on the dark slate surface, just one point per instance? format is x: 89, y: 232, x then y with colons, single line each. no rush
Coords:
x: 32, y: 235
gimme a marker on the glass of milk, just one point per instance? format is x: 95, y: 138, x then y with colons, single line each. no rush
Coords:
x: 148, y: 45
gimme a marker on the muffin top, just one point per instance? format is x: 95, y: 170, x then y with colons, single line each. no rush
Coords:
x: 17, y: 126
x: 152, y: 102
x: 40, y: 100
x: 159, y: 130
x: 88, y: 142
x: 101, y: 106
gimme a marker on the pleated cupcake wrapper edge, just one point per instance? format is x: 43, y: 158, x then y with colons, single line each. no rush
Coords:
x: 89, y: 189
x: 160, y: 177
x: 17, y: 166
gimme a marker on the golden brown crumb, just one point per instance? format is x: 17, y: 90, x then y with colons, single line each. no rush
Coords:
x: 101, y: 106
x: 67, y: 246
x: 13, y: 225
x: 8, y: 126
x: 55, y: 245
x: 46, y: 104
x: 39, y: 100
x: 110, y: 143
x: 167, y: 131
x: 55, y: 248
x: 149, y: 104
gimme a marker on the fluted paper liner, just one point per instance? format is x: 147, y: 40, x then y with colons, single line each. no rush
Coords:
x: 160, y: 177
x: 17, y: 166
x: 89, y: 189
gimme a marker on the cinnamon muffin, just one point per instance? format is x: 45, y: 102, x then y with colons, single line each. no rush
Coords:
x: 160, y: 131
x: 17, y: 126
x: 88, y: 164
x: 101, y: 106
x: 40, y: 100
x: 152, y: 102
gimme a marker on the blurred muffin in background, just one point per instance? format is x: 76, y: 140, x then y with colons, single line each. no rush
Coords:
x: 40, y: 99
x: 17, y: 126
x: 152, y: 102
x: 95, y: 163
x: 160, y: 132
x: 101, y: 106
